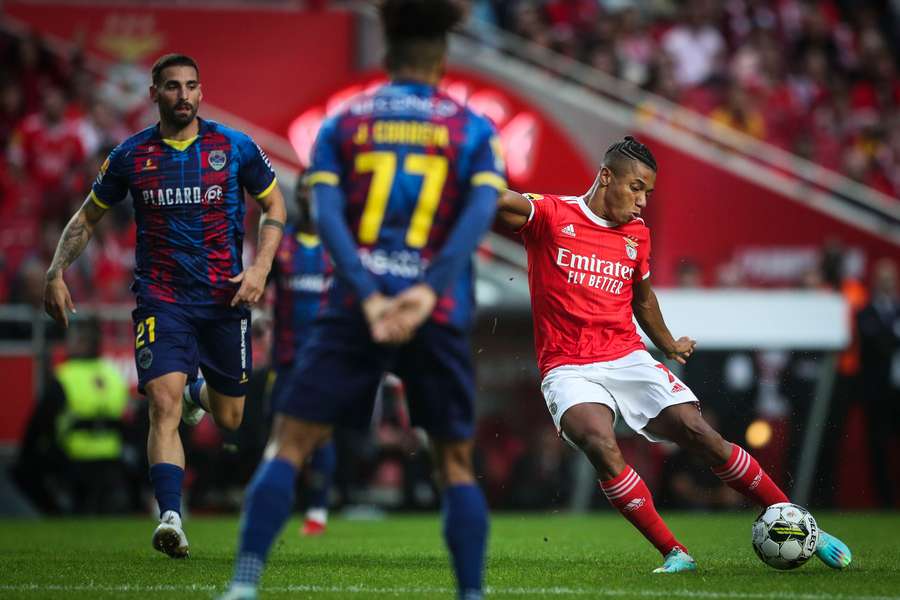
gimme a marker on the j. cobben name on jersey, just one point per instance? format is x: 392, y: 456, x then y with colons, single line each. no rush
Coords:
x: 594, y: 272
x: 177, y: 196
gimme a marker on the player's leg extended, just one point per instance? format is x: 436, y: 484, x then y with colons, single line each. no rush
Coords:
x: 270, y: 498
x: 465, y: 515
x: 684, y: 425
x: 590, y: 427
x: 166, y: 457
x: 321, y: 474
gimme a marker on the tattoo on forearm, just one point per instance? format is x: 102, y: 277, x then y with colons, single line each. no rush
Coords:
x: 267, y: 222
x: 74, y: 238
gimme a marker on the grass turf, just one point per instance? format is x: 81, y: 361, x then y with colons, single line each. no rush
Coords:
x: 531, y: 556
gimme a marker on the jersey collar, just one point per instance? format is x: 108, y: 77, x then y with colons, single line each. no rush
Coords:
x: 411, y: 84
x: 202, y: 129
x: 592, y: 215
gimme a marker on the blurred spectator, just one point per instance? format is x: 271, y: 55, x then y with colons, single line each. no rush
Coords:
x: 740, y: 112
x: 879, y: 334
x: 48, y: 147
x: 847, y: 385
x: 818, y: 78
x: 695, y: 43
x: 688, y: 274
x: 71, y: 457
x: 12, y: 109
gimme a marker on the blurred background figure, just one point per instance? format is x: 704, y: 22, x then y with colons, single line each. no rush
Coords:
x: 72, y: 456
x: 879, y: 344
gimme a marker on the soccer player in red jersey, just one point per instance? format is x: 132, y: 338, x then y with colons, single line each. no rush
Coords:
x: 589, y: 273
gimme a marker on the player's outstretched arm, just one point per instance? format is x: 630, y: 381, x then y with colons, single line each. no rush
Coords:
x: 74, y: 238
x: 271, y: 228
x: 649, y: 317
x: 513, y: 210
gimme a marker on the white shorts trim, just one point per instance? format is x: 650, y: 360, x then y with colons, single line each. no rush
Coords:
x: 633, y: 387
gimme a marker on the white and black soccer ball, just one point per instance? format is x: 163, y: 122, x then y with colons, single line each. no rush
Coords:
x: 785, y: 535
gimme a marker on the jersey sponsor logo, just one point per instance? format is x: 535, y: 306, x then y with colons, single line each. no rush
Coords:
x: 678, y: 388
x: 591, y: 271
x: 214, y: 194
x: 634, y: 504
x: 149, y: 165
x: 440, y: 107
x: 631, y: 249
x: 399, y: 263
x: 173, y: 196
x: 308, y: 282
x: 217, y: 159
x: 553, y: 408
x: 568, y: 230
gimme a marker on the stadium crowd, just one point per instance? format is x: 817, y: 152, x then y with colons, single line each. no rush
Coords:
x: 816, y: 78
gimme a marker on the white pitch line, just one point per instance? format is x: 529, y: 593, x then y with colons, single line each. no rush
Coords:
x: 499, y: 591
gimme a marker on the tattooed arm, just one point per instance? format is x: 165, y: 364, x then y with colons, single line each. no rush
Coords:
x: 72, y: 242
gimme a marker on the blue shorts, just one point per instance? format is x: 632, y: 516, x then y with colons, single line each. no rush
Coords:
x: 339, y: 369
x: 174, y: 338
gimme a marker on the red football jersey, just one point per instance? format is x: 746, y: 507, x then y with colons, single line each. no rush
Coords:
x: 580, y: 273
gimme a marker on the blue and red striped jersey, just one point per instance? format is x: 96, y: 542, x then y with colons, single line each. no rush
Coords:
x: 302, y: 275
x: 405, y: 158
x: 188, y: 199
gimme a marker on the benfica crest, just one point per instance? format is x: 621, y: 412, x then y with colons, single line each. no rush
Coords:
x: 631, y: 249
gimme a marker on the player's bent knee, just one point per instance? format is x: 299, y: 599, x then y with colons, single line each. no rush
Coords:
x: 229, y: 419
x: 227, y: 411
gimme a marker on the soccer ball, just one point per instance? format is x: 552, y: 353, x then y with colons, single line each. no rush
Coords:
x: 785, y: 535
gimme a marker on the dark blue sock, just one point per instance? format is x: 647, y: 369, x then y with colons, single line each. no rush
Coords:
x: 465, y: 531
x: 166, y: 479
x: 268, y: 504
x: 321, y: 471
x: 194, y: 391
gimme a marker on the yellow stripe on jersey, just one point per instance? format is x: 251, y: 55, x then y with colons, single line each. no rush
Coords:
x: 98, y: 201
x: 323, y: 177
x: 490, y: 179
x: 180, y: 145
x: 268, y: 190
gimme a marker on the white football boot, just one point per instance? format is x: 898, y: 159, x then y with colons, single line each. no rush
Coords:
x: 191, y: 412
x: 169, y: 538
x: 239, y: 591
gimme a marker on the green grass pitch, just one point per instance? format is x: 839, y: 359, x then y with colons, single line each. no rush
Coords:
x: 531, y: 556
